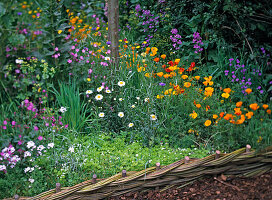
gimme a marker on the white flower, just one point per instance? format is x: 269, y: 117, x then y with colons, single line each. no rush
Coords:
x: 27, y: 169
x: 40, y: 148
x: 62, y: 109
x: 136, y: 155
x: 130, y: 125
x: 89, y: 92
x: 18, y: 61
x: 121, y: 99
x: 153, y: 117
x: 133, y: 106
x: 27, y: 154
x: 3, y: 167
x: 120, y: 114
x: 146, y: 99
x: 121, y: 83
x: 31, y: 180
x: 50, y: 145
x: 100, y: 88
x: 107, y: 58
x: 30, y: 144
x: 12, y: 149
x: 138, y: 98
x: 71, y: 149
x: 108, y: 91
x: 101, y: 114
x: 98, y: 97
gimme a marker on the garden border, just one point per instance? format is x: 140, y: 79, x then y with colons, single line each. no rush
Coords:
x: 240, y: 163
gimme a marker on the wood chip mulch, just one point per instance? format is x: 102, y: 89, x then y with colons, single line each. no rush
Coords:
x: 215, y: 188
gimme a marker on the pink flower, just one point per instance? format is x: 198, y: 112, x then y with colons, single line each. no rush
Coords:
x: 56, y: 49
x: 13, y: 123
x: 5, y: 122
x: 4, y: 127
x: 66, y: 126
x: 20, y: 142
x: 40, y: 138
x: 69, y: 61
x: 36, y: 128
x: 90, y: 71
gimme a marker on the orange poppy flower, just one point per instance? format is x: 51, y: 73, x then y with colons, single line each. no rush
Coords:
x: 198, y: 105
x: 197, y: 77
x: 265, y: 106
x: 157, y: 59
x: 163, y: 56
x: 249, y: 115
x: 248, y: 90
x: 239, y: 104
x: 187, y: 84
x: 254, y: 106
x: 237, y: 111
x: 207, y: 122
x: 221, y: 114
x: 227, y: 90
x: 160, y: 74
x: 268, y: 111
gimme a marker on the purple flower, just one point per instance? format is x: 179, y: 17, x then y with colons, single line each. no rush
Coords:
x: 162, y: 84
x: 108, y: 42
x: 174, y: 31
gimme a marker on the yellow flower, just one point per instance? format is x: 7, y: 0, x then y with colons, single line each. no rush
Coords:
x: 184, y: 77
x: 147, y: 75
x: 215, y: 116
x: 197, y: 77
x: 208, y: 81
x: 208, y: 91
x: 59, y: 31
x: 225, y: 95
x: 193, y: 115
x: 207, y: 122
x: 159, y: 96
x: 88, y: 79
x: 163, y: 56
x: 187, y: 84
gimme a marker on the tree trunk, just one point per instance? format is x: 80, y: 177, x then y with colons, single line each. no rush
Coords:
x: 113, y: 26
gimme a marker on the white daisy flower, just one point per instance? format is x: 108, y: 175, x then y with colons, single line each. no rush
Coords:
x: 130, y: 125
x: 101, y: 114
x: 31, y: 180
x: 146, y: 99
x: 121, y: 83
x: 107, y: 58
x: 108, y: 91
x: 133, y: 106
x: 120, y: 114
x: 100, y: 89
x: 153, y: 117
x: 121, y: 99
x: 71, y: 149
x: 138, y: 98
x: 63, y: 109
x: 89, y: 92
x: 98, y: 97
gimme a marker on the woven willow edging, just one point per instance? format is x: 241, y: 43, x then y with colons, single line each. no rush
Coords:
x: 242, y: 163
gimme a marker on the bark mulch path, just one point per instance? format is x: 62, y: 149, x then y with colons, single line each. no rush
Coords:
x: 214, y: 188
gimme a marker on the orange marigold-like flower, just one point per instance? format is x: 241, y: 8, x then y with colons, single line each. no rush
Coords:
x: 215, y: 116
x: 268, y: 111
x: 193, y: 115
x: 208, y: 91
x: 228, y: 116
x: 157, y: 59
x: 240, y: 121
x: 160, y: 74
x: 187, y: 84
x: 198, y: 105
x: 184, y: 77
x: 163, y: 56
x: 248, y: 90
x: 208, y: 122
x: 254, y: 106
x: 265, y: 106
x: 208, y: 81
x: 227, y: 90
x: 197, y: 77
x: 239, y: 104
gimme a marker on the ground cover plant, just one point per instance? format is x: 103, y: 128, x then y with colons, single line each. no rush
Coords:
x: 68, y: 112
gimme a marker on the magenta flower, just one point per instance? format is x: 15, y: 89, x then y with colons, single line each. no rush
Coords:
x: 36, y: 128
x: 13, y: 123
x: 69, y: 61
x: 40, y: 138
x: 5, y: 122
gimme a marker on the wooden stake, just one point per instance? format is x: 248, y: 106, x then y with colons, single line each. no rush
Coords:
x: 248, y: 147
x: 58, y: 187
x: 186, y: 159
x: 94, y: 179
x: 158, y: 166
x: 217, y: 154
x: 124, y: 173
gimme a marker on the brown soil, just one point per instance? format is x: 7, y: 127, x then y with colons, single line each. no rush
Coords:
x: 214, y: 188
